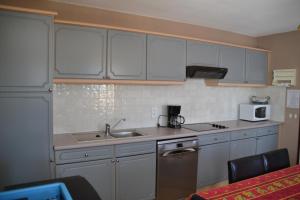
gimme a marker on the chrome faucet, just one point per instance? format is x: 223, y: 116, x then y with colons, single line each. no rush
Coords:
x: 107, y: 129
x: 108, y: 126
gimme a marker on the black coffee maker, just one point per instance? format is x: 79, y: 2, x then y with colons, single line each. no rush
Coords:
x: 174, y: 119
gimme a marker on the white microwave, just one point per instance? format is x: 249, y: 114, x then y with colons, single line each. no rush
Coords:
x: 255, y: 112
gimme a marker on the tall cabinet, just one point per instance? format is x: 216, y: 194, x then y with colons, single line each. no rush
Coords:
x: 26, y: 60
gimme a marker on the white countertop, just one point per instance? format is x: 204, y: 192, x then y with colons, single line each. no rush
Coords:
x: 68, y: 141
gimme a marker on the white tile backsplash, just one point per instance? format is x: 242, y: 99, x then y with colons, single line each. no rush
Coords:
x: 79, y: 108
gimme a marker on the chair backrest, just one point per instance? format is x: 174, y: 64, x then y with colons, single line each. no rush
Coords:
x: 244, y: 168
x: 276, y: 160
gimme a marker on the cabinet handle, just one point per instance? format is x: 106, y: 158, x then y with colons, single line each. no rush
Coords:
x: 117, y: 161
x: 257, y: 138
x: 245, y: 134
x: 112, y: 161
x: 50, y: 90
x: 215, y: 139
x: 86, y: 155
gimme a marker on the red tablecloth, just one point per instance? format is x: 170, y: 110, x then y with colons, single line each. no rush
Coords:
x: 282, y: 184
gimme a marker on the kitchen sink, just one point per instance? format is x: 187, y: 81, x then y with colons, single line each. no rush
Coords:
x: 122, y: 134
x: 97, y: 136
x: 87, y: 137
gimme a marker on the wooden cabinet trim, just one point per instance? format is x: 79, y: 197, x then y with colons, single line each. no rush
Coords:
x: 119, y: 82
x: 216, y: 83
x: 27, y: 10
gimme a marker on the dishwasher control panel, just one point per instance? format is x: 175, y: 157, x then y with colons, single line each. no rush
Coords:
x: 176, y: 144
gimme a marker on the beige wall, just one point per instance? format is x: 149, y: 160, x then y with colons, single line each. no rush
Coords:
x: 104, y: 17
x: 285, y: 49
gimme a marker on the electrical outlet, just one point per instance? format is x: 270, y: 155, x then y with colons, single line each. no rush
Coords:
x: 154, y: 112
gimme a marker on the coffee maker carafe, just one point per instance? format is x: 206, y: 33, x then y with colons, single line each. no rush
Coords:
x: 175, y: 120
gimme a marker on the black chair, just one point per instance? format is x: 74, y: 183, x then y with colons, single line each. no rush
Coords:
x: 276, y: 160
x: 244, y: 168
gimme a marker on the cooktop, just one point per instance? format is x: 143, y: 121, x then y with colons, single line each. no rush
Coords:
x: 203, y: 126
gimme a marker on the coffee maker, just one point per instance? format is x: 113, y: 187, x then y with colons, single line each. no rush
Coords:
x: 175, y: 120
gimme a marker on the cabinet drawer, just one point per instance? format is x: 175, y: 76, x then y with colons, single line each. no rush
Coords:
x: 83, y: 154
x: 213, y: 138
x: 267, y: 130
x: 135, y: 148
x: 243, y: 134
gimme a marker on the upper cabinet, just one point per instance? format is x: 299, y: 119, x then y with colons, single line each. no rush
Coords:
x: 94, y: 53
x: 80, y: 52
x: 244, y: 65
x: 26, y: 46
x: 203, y: 54
x: 256, y: 67
x: 126, y: 55
x: 234, y: 59
x: 166, y: 58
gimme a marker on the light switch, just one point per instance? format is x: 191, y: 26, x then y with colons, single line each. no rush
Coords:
x: 295, y: 116
x: 290, y: 115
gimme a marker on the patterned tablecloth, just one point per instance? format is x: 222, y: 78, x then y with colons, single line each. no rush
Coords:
x: 282, y: 184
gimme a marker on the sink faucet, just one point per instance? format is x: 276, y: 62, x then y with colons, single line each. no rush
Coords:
x: 107, y: 129
x: 108, y: 126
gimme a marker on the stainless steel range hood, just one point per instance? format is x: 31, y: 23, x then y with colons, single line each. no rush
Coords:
x: 205, y: 72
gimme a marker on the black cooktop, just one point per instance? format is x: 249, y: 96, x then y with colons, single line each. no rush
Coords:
x: 204, y: 126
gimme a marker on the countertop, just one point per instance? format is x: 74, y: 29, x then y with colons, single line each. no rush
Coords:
x: 67, y: 140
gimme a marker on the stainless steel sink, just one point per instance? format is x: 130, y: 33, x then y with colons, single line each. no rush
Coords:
x: 122, y: 134
x: 97, y: 136
x: 88, y: 137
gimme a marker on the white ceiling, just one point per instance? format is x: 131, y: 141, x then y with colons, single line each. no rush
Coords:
x: 249, y: 17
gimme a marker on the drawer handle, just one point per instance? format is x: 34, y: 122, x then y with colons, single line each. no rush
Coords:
x: 245, y: 134
x: 86, y: 155
x: 215, y: 139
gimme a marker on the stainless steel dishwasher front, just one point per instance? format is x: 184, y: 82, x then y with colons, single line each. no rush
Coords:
x: 176, y: 168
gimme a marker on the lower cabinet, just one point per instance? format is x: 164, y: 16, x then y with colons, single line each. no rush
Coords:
x: 242, y: 148
x: 135, y: 177
x: 212, y: 164
x: 217, y: 149
x: 266, y: 143
x: 255, y: 145
x: 116, y: 178
x: 128, y: 171
x: 100, y: 174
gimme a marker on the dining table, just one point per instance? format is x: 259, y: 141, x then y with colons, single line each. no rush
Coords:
x: 283, y: 184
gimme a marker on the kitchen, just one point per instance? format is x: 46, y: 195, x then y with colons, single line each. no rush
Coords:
x: 83, y: 100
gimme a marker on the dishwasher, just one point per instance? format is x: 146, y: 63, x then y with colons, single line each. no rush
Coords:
x: 176, y: 168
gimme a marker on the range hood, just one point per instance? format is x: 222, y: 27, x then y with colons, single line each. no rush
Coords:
x: 205, y: 72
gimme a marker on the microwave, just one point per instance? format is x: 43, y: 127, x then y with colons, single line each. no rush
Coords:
x: 255, y: 112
